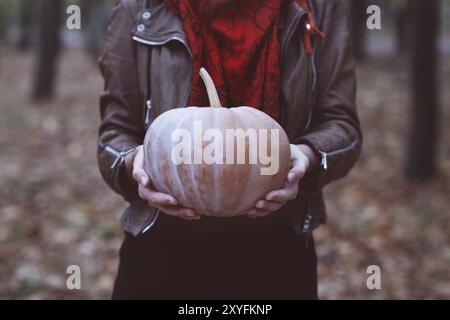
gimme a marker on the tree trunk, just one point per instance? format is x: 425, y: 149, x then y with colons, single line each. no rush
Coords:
x: 421, y: 161
x: 26, y: 15
x: 88, y: 8
x: 2, y: 25
x: 358, y: 26
x: 402, y: 25
x: 95, y: 16
x: 48, y: 48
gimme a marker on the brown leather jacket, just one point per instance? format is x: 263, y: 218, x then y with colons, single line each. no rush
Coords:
x: 146, y: 63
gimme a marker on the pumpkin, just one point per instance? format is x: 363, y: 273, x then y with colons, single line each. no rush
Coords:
x: 217, y: 161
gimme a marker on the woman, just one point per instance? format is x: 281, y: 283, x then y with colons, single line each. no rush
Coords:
x: 291, y: 59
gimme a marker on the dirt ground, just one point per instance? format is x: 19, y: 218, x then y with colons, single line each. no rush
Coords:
x: 56, y: 211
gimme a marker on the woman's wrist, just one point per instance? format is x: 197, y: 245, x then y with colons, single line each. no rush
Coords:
x: 128, y: 162
x: 310, y: 154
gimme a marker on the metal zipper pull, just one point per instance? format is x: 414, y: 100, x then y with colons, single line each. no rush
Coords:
x: 324, y: 161
x: 307, y: 228
x: 119, y: 155
x: 307, y: 223
x: 148, y: 105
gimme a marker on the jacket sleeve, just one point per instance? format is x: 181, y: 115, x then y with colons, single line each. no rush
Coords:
x: 118, y: 133
x: 335, y: 133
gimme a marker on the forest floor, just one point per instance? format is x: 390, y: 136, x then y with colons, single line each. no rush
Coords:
x: 56, y: 211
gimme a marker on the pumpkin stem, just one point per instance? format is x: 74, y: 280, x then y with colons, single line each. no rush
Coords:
x: 214, y: 100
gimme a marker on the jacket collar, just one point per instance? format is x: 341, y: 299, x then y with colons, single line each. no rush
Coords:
x: 157, y: 24
x: 291, y: 14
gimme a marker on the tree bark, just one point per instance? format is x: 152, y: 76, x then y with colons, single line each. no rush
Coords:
x: 48, y: 48
x: 423, y: 139
x: 358, y: 26
x: 402, y: 25
x: 26, y: 15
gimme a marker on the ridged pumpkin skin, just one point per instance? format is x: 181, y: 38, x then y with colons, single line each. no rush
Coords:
x: 222, y: 190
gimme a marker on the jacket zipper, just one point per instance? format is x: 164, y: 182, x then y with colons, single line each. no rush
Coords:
x: 292, y: 29
x: 163, y: 42
x: 158, y: 43
x: 118, y: 154
x: 118, y: 160
x: 148, y: 105
x: 314, y: 83
x: 303, y: 18
x: 151, y: 223
x: 307, y: 223
x: 325, y: 156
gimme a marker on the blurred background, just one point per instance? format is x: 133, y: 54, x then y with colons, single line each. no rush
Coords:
x: 392, y: 210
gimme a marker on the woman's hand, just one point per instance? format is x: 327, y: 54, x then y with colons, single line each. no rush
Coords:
x: 302, y: 160
x: 134, y: 163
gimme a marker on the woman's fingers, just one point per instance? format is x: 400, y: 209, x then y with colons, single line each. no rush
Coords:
x: 276, y: 199
x: 139, y: 173
x: 156, y: 198
x: 180, y: 212
x: 295, y: 174
x: 283, y: 195
x: 264, y: 208
x: 166, y: 203
x: 258, y: 213
x: 269, y: 205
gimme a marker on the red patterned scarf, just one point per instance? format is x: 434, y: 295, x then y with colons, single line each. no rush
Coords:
x: 237, y: 42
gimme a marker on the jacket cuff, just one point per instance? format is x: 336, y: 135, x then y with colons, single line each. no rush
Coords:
x: 314, y: 181
x: 334, y: 162
x: 112, y: 165
x: 126, y: 184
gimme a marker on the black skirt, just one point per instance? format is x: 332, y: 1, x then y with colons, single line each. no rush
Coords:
x: 216, y: 258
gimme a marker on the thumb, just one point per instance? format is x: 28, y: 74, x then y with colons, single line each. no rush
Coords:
x: 139, y: 173
x: 295, y: 175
